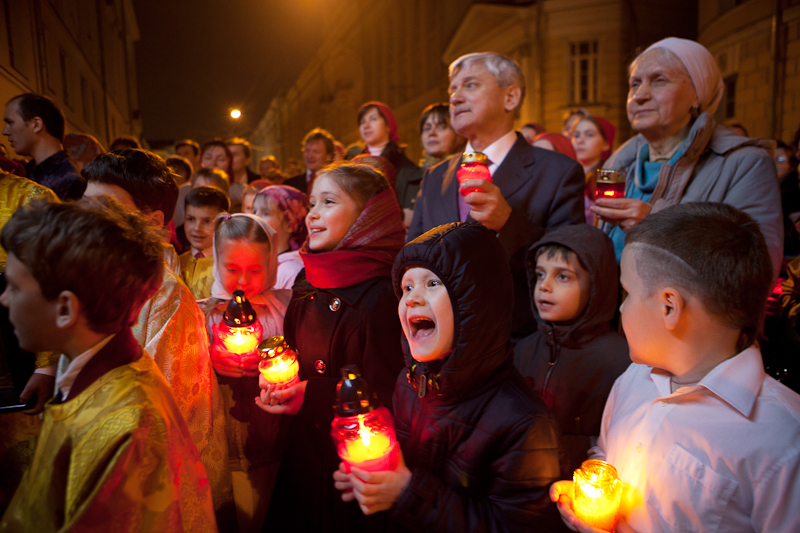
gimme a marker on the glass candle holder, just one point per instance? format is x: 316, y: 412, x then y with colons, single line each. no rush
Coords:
x: 610, y: 183
x: 474, y: 166
x: 278, y: 363
x: 240, y: 331
x: 597, y: 492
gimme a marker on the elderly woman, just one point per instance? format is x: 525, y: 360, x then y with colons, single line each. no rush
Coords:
x: 680, y: 153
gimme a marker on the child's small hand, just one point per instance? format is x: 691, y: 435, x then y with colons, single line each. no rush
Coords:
x: 561, y: 493
x: 341, y: 481
x: 286, y: 401
x: 377, y: 491
x: 230, y: 364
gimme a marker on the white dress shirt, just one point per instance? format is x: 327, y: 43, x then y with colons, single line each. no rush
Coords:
x: 722, y: 456
x: 64, y: 382
x: 498, y: 150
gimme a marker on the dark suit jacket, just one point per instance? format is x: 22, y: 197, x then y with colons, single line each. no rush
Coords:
x: 544, y: 190
x: 298, y: 182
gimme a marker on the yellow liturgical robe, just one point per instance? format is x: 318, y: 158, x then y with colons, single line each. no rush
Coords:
x: 116, y: 457
x: 171, y: 328
x: 198, y: 274
x: 14, y: 193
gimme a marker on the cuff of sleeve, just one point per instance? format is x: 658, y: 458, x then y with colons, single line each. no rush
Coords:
x: 47, y: 359
x: 47, y: 370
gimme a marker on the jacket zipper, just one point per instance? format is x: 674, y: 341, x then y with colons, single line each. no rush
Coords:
x: 555, y: 350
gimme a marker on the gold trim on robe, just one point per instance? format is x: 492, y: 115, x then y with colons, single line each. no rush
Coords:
x: 14, y: 193
x: 198, y: 274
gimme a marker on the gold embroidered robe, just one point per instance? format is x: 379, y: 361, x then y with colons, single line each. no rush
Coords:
x: 116, y: 457
x: 171, y: 328
x: 14, y: 193
x: 198, y: 274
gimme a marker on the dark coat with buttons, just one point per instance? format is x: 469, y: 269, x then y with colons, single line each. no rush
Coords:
x: 482, y: 448
x: 331, y: 328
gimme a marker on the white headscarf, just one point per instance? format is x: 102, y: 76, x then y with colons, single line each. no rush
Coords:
x: 702, y: 69
x: 266, y: 296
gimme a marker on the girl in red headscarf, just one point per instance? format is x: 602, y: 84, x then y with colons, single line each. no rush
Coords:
x: 343, y: 311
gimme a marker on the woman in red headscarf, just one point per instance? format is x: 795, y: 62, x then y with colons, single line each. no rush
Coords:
x: 592, y: 138
x: 555, y: 142
x: 378, y: 129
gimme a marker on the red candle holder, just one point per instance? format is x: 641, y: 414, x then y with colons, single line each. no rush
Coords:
x: 474, y: 166
x: 278, y: 363
x: 610, y: 183
x: 362, y: 431
x: 240, y: 331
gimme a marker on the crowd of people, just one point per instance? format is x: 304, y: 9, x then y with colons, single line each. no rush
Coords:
x: 515, y: 324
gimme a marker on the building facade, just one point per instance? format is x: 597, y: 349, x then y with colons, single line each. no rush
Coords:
x: 78, y: 52
x: 573, y: 53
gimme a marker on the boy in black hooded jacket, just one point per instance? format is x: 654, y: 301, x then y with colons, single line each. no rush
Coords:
x: 575, y: 356
x: 479, y: 447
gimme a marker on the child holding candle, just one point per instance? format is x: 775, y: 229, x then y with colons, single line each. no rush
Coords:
x: 342, y: 312
x: 285, y: 209
x: 575, y: 356
x: 479, y: 449
x: 704, y: 439
x: 245, y: 259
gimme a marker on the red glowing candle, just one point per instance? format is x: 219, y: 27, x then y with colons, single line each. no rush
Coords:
x: 240, y: 331
x: 474, y: 166
x: 610, y: 183
x: 362, y: 431
x: 278, y: 364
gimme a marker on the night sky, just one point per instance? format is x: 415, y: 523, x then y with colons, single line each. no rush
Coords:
x: 197, y: 59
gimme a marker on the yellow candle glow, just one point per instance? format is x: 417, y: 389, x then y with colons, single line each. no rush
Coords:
x: 282, y: 369
x: 241, y: 340
x: 596, y: 494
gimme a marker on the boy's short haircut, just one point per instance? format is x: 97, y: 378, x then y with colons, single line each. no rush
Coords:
x: 188, y: 142
x: 125, y: 142
x: 142, y: 174
x: 552, y: 250
x: 318, y: 134
x: 214, y: 175
x: 180, y: 165
x: 714, y: 251
x: 111, y: 259
x: 208, y: 197
x: 32, y: 105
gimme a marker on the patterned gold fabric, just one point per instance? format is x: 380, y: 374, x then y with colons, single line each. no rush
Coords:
x: 116, y: 457
x: 171, y: 328
x: 171, y: 258
x: 16, y: 192
x: 198, y: 274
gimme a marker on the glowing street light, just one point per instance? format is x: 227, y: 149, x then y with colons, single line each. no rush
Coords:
x: 235, y: 113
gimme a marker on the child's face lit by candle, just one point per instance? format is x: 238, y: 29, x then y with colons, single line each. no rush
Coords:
x: 332, y: 213
x: 198, y: 224
x: 426, y: 314
x: 243, y: 266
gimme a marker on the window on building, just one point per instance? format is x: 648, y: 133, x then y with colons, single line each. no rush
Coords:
x: 727, y: 5
x: 62, y: 59
x: 583, y: 72
x: 729, y: 98
x: 85, y: 102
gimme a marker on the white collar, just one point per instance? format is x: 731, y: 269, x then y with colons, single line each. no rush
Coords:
x: 498, y: 150
x: 208, y: 252
x: 64, y: 382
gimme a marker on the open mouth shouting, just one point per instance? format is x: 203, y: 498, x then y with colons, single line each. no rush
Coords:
x: 426, y: 315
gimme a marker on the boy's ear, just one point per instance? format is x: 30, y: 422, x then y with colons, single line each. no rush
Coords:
x: 68, y: 309
x: 672, y: 307
x: 155, y: 218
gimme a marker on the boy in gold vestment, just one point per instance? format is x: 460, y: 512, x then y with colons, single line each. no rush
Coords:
x: 114, y: 451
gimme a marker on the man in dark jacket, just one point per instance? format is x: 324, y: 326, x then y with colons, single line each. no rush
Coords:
x: 35, y: 128
x: 532, y: 190
x: 574, y: 357
x: 479, y: 447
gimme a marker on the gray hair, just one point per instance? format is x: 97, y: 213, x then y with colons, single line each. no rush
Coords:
x: 504, y: 69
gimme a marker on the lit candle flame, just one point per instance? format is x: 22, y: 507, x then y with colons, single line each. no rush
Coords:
x: 363, y: 431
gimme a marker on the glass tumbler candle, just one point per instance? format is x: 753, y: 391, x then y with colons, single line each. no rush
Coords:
x: 597, y: 494
x: 610, y: 183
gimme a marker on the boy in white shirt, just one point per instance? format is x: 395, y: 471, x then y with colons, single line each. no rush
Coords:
x: 702, y: 438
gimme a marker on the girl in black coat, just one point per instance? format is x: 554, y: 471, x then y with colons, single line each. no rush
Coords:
x: 480, y: 449
x: 342, y: 312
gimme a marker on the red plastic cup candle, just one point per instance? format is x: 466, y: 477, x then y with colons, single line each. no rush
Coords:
x: 240, y: 331
x: 278, y: 363
x: 597, y: 492
x: 474, y: 166
x: 362, y: 431
x: 610, y: 183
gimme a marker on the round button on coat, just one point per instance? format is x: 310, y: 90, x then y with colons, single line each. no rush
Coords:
x: 335, y: 305
x: 320, y: 366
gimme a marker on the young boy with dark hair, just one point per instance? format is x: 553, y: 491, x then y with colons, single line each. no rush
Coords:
x: 702, y: 437
x: 170, y: 327
x: 575, y: 356
x: 197, y: 265
x: 114, y: 447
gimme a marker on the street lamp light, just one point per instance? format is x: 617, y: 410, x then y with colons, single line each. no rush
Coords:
x: 235, y: 113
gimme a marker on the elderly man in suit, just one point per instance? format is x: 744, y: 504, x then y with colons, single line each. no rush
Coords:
x: 532, y: 190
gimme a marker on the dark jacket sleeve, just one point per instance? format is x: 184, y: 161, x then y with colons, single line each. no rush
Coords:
x: 416, y: 229
x: 517, y: 497
x: 565, y: 208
